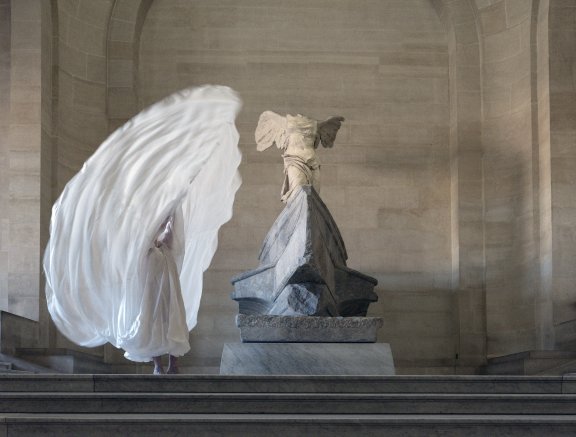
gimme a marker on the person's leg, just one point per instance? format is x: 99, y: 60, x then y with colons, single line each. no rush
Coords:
x: 172, y: 364
x: 158, y: 369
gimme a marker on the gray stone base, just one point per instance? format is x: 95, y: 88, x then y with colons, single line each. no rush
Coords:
x: 307, y: 359
x: 307, y: 329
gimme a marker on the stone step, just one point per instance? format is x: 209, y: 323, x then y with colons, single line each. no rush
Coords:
x: 566, y: 368
x: 292, y: 403
x: 62, y: 360
x: 286, y: 425
x: 22, y: 365
x: 8, y: 367
x: 287, y: 384
x: 539, y: 362
x: 207, y: 405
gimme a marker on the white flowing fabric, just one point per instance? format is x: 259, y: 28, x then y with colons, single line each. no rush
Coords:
x: 106, y: 281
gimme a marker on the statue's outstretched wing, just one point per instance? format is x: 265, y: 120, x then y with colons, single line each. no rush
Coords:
x: 328, y: 129
x: 271, y: 130
x: 179, y: 158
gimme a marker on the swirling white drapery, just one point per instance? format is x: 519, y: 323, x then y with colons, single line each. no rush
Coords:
x: 105, y: 279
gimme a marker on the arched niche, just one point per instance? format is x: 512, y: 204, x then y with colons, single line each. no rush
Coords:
x: 502, y: 169
x: 388, y: 182
x: 385, y: 162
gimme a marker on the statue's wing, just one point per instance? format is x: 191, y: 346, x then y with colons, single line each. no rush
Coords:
x: 271, y: 130
x: 178, y: 157
x: 328, y: 129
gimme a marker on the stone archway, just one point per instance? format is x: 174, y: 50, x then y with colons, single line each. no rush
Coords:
x: 93, y: 67
x: 500, y: 189
x: 384, y: 66
x: 502, y: 162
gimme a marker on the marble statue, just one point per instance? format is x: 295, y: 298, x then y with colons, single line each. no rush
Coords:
x: 302, y: 311
x: 303, y: 269
x: 298, y: 137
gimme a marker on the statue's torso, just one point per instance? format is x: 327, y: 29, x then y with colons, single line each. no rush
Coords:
x: 301, y: 146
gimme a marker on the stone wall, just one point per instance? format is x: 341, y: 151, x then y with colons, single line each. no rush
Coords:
x: 518, y: 315
x: 466, y: 173
x: 20, y: 157
x: 542, y: 171
x: 49, y: 137
x: 4, y: 154
x: 81, y: 82
x: 562, y: 45
x: 383, y: 66
x: 445, y: 180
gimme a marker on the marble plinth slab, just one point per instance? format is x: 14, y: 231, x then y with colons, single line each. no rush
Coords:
x: 307, y: 329
x: 307, y: 359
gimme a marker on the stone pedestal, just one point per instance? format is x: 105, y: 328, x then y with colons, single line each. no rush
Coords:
x: 306, y: 329
x: 307, y: 359
x: 284, y: 345
x: 303, y: 310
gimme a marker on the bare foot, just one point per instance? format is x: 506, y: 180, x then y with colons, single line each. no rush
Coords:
x: 158, y: 369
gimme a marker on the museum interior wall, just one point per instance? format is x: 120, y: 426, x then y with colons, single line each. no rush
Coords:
x: 563, y: 162
x: 452, y: 178
x: 518, y: 303
x: 20, y: 157
x: 387, y: 181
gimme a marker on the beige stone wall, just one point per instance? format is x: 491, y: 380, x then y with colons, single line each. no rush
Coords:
x: 123, y: 50
x: 507, y: 144
x: 439, y: 181
x: 518, y: 303
x: 562, y: 45
x: 466, y: 172
x: 4, y: 159
x: 19, y: 157
x: 81, y: 82
x: 383, y: 66
x: 48, y: 159
x: 542, y: 171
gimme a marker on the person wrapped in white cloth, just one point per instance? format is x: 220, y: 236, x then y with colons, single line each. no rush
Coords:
x: 134, y: 230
